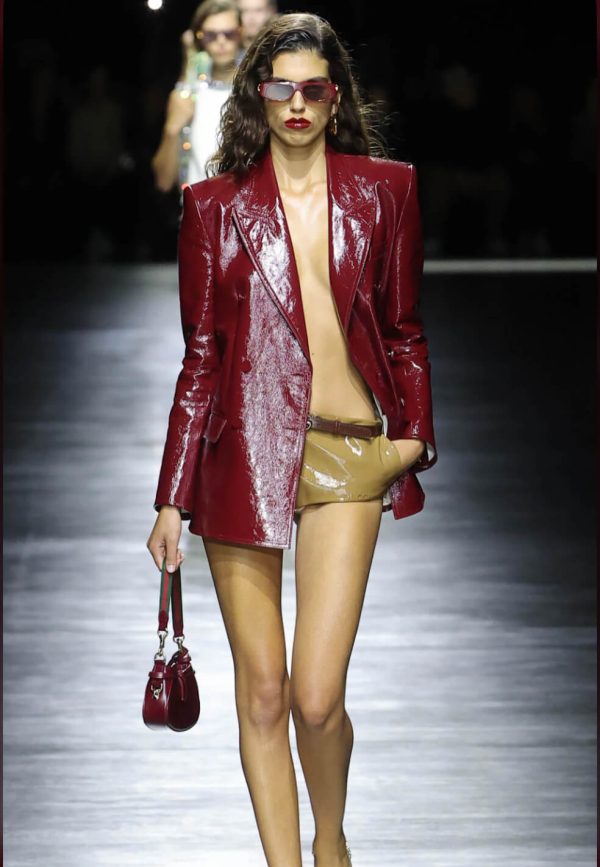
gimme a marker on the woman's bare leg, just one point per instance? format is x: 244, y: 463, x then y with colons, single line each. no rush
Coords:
x: 248, y: 584
x: 334, y: 550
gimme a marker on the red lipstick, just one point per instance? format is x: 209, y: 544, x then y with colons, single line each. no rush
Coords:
x: 297, y: 123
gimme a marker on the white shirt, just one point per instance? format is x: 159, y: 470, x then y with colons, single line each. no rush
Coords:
x: 210, y: 98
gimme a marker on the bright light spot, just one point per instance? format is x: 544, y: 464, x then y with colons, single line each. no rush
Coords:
x: 154, y: 4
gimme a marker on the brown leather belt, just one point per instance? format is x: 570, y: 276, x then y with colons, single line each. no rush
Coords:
x: 334, y: 425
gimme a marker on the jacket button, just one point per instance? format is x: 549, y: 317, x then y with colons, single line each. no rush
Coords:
x: 246, y: 365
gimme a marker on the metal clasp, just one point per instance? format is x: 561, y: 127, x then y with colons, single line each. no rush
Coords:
x: 308, y: 423
x: 162, y: 634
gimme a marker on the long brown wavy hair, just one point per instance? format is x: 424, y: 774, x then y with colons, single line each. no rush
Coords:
x: 244, y: 133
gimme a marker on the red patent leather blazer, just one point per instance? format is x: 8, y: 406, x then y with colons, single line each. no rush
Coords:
x: 235, y: 437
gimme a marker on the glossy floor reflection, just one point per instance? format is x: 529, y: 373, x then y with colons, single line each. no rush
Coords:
x: 472, y: 682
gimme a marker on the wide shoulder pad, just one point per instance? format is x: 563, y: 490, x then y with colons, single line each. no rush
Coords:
x: 396, y: 175
x: 220, y: 189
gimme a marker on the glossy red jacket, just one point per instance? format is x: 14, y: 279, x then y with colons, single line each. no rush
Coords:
x: 233, y: 450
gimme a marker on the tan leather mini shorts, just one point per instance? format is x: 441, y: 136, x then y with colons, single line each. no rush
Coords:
x: 343, y: 468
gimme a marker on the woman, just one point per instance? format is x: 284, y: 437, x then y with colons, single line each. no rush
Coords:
x: 189, y: 134
x: 299, y: 265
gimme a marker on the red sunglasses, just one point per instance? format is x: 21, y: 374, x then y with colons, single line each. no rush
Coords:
x: 313, y: 91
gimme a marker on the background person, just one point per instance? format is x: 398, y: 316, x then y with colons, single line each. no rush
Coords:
x: 255, y: 14
x: 194, y: 108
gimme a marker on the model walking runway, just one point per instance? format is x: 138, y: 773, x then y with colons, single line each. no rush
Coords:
x: 471, y: 683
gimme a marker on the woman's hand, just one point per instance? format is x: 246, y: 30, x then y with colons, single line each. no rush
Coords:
x: 180, y: 111
x: 165, y: 537
x: 410, y: 450
x: 187, y: 50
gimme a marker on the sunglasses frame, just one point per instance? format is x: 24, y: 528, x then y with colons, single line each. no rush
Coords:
x: 201, y: 35
x: 301, y: 85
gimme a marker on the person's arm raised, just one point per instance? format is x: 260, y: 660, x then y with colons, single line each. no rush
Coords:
x: 165, y: 162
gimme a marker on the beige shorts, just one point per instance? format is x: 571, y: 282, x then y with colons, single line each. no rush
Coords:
x: 342, y: 468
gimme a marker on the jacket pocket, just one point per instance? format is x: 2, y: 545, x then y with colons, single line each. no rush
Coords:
x: 214, y: 427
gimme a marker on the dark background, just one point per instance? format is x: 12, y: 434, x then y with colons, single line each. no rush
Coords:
x: 524, y: 149
x: 490, y: 591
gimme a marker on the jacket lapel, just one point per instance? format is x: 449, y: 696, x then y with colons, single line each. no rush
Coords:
x: 260, y: 220
x: 352, y: 210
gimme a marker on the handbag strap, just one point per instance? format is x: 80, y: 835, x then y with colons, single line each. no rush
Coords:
x: 170, y: 593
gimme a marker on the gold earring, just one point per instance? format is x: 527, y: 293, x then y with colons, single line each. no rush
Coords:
x: 333, y: 125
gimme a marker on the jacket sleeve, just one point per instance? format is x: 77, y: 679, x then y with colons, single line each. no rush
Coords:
x: 403, y: 335
x: 197, y: 378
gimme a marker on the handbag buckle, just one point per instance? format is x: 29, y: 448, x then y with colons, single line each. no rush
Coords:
x: 156, y: 690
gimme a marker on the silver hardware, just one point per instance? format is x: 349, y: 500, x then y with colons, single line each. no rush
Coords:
x: 162, y: 634
x: 309, y: 423
x: 156, y: 691
x: 178, y: 639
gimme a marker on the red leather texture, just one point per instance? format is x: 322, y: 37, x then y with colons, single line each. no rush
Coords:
x: 233, y: 449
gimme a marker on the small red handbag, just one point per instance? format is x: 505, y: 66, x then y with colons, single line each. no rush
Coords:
x: 171, y: 699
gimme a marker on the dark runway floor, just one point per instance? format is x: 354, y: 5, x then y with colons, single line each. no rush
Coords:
x: 472, y: 686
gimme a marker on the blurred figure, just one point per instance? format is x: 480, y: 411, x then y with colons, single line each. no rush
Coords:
x: 160, y: 212
x: 189, y: 135
x: 467, y: 172
x: 254, y: 14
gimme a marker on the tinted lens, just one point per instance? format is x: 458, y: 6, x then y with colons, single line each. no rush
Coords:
x: 316, y: 92
x: 278, y: 91
x: 213, y: 35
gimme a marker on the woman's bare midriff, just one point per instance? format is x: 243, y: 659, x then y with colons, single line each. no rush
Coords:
x: 337, y: 386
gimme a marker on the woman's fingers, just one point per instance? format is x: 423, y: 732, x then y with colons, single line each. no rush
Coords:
x: 172, y: 556
x: 163, y: 541
x: 187, y: 39
x: 158, y: 554
x: 173, y: 561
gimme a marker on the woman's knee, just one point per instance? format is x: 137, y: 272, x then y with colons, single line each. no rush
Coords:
x: 315, y: 707
x: 262, y: 697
